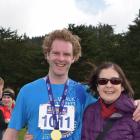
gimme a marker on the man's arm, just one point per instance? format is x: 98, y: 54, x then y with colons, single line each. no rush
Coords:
x: 28, y: 137
x: 136, y: 114
x: 10, y: 134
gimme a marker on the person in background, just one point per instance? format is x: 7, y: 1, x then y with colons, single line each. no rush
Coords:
x: 6, y: 108
x: 1, y: 90
x: 1, y: 86
x: 10, y: 90
x: 110, y: 118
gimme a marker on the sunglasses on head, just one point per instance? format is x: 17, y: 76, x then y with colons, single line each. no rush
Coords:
x: 104, y: 81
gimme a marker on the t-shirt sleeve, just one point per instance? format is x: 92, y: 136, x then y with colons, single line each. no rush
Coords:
x: 84, y: 95
x: 90, y: 99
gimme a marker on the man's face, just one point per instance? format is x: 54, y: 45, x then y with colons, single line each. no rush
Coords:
x: 1, y: 90
x: 60, y: 58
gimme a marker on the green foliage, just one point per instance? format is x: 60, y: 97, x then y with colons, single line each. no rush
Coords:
x: 22, y: 60
x: 101, y: 44
x: 21, y: 134
x: 133, y: 35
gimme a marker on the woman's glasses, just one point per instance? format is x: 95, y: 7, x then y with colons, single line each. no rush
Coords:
x: 114, y: 81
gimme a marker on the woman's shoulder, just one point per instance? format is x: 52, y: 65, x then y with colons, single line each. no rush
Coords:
x: 93, y: 107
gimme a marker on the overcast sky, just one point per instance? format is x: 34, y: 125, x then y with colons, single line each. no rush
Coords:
x: 39, y: 17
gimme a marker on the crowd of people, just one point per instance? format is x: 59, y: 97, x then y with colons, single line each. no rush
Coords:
x: 56, y: 106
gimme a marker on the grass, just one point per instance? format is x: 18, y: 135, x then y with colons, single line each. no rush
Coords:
x: 21, y: 134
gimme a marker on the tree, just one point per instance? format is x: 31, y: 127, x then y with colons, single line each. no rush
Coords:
x: 133, y: 34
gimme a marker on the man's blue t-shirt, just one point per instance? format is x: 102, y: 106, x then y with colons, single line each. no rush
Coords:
x: 34, y: 94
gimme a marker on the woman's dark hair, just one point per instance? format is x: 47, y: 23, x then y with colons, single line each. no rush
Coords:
x: 105, y: 65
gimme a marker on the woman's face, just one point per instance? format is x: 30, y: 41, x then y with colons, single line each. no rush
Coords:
x: 109, y: 91
x: 7, y: 100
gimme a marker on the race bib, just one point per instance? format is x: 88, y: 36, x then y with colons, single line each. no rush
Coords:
x: 66, y: 119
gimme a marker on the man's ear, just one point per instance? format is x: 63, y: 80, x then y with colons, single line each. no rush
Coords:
x: 73, y: 60
x: 47, y: 56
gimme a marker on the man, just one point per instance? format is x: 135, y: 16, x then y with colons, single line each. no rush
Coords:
x: 52, y: 106
x: 53, y: 102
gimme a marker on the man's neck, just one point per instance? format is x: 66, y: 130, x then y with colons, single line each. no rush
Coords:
x: 57, y: 79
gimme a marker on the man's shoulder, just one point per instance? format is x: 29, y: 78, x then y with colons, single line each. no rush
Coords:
x: 76, y: 83
x: 83, y: 87
x: 34, y: 84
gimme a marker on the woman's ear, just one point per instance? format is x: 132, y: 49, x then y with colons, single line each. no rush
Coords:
x: 97, y: 87
x: 122, y: 88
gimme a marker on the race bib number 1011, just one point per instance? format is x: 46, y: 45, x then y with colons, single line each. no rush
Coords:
x: 66, y: 119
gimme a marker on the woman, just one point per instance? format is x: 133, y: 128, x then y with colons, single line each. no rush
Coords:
x: 115, y: 105
x: 6, y: 108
